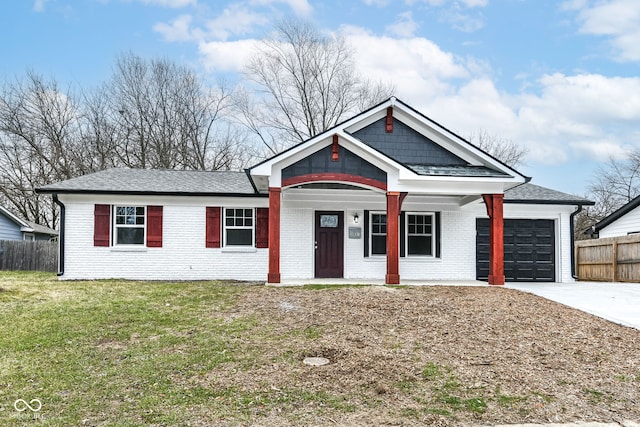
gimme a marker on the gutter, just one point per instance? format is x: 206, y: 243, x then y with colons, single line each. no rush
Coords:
x: 572, y: 239
x: 61, y: 235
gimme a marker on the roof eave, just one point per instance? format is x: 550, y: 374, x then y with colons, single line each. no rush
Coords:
x: 550, y: 202
x: 622, y: 211
x: 148, y: 193
x: 13, y: 218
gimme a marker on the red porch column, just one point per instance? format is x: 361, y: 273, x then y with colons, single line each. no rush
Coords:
x: 274, y: 235
x: 393, y: 253
x: 494, y: 204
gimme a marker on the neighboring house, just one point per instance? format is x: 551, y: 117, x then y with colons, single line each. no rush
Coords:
x: 388, y: 194
x: 12, y: 227
x: 622, y: 222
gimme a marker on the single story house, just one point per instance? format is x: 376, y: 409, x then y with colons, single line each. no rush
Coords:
x: 388, y: 194
x: 13, y: 227
x: 622, y: 222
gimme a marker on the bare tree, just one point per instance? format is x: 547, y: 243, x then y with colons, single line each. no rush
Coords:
x: 616, y: 182
x: 507, y: 151
x: 166, y: 118
x: 306, y: 84
x: 39, y: 143
x: 152, y: 114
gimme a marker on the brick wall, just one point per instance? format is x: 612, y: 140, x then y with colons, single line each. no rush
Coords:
x: 183, y: 255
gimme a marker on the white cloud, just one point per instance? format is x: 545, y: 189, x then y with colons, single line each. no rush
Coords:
x: 618, y: 19
x: 235, y: 20
x: 560, y: 118
x: 404, y: 26
x: 379, y: 3
x: 574, y: 4
x: 177, y: 31
x: 463, y: 21
x: 226, y: 56
x: 175, y: 4
x: 38, y: 5
x: 299, y: 7
x: 455, y: 3
x: 475, y: 3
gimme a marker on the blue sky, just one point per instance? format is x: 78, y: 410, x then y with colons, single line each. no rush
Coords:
x: 559, y: 77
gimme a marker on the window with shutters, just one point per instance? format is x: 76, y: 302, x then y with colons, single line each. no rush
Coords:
x: 129, y: 225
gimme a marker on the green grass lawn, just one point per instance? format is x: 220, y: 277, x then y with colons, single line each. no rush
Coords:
x: 128, y: 353
x: 109, y: 352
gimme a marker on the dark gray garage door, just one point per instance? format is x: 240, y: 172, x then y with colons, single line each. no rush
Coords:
x: 529, y: 250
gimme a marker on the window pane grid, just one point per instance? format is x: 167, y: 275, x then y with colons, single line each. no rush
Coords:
x: 420, y: 234
x: 238, y: 227
x: 378, y: 234
x: 129, y: 225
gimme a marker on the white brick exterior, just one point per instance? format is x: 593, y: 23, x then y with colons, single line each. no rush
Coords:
x: 183, y: 255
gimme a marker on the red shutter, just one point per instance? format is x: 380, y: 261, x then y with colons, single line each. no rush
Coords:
x: 154, y: 226
x: 101, y: 225
x: 262, y: 227
x: 213, y: 227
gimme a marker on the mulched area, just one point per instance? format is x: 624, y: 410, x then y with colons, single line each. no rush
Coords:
x: 434, y: 355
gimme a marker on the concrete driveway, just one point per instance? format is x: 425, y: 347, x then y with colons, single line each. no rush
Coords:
x: 617, y: 302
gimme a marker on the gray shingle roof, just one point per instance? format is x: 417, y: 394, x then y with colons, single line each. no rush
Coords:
x: 148, y: 181
x: 463, y: 171
x: 530, y: 193
x: 41, y: 229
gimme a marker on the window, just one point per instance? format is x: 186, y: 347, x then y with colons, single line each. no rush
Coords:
x: 420, y: 234
x: 129, y: 225
x: 238, y: 227
x: 378, y: 234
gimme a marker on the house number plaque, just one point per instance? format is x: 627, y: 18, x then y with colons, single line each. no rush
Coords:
x: 355, y: 232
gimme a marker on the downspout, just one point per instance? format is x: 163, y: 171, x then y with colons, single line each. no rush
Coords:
x: 573, y: 245
x: 61, y: 235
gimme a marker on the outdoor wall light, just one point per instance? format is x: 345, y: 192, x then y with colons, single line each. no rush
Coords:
x: 356, y: 218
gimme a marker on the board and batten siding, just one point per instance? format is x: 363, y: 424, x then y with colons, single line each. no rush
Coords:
x: 183, y: 255
x: 623, y: 226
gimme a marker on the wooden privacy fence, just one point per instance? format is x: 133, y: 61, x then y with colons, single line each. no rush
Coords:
x: 38, y: 255
x: 612, y: 259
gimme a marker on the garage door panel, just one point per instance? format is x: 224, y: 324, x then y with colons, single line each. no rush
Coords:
x: 529, y: 250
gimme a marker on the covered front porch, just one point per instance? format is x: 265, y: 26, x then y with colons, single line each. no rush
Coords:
x: 338, y: 231
x: 388, y: 195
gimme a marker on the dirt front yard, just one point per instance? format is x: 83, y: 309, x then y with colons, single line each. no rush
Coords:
x: 425, y: 355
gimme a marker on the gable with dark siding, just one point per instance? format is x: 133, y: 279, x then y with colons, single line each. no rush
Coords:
x: 405, y: 145
x: 348, y: 163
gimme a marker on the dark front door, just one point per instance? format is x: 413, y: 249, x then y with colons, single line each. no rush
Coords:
x: 329, y: 244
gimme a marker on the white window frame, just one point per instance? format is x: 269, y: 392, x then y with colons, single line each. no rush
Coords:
x: 116, y: 226
x: 371, y: 233
x: 29, y: 237
x: 226, y: 227
x: 432, y: 234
